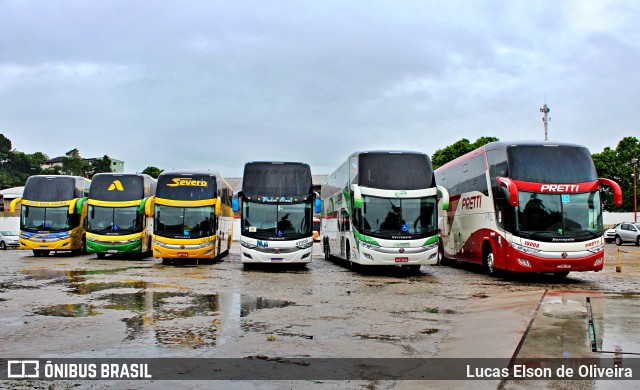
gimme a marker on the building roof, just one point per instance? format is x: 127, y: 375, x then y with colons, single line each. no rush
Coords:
x: 12, y: 193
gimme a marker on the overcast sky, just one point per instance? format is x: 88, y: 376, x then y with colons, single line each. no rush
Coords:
x: 214, y: 84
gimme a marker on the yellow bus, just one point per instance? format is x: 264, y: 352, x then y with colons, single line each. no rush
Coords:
x: 117, y: 221
x: 193, y: 217
x: 54, y: 214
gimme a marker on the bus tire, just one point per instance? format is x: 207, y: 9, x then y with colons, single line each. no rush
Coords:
x: 325, y: 246
x: 100, y: 255
x: 442, y: 260
x: 83, y: 245
x: 488, y: 263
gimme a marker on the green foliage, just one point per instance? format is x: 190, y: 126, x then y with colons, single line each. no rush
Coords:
x: 16, y: 167
x: 73, y: 164
x: 153, y: 171
x: 617, y: 165
x: 460, y: 148
x: 100, y: 165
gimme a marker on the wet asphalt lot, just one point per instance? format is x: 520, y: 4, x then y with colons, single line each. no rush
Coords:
x: 64, y: 306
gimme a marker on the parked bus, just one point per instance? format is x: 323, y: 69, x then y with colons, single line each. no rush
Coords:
x: 380, y: 208
x: 277, y: 212
x: 525, y: 207
x: 53, y: 215
x: 117, y: 222
x: 193, y: 216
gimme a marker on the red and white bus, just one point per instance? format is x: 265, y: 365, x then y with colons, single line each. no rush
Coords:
x: 524, y: 207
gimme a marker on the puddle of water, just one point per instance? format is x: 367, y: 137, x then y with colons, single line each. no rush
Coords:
x: 68, y: 310
x: 70, y: 275
x: 249, y: 304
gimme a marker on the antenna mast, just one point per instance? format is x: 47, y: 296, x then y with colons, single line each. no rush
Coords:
x: 545, y: 120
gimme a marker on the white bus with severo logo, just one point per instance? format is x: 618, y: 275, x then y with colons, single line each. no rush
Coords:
x: 380, y: 208
x: 277, y: 204
x: 525, y: 207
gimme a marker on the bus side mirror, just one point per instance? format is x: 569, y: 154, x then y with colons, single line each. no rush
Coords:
x: 511, y: 187
x: 617, y: 191
x: 235, y: 206
x: 81, y: 204
x: 444, y: 197
x: 12, y: 205
x: 146, y: 206
x: 357, y: 196
x: 218, y: 206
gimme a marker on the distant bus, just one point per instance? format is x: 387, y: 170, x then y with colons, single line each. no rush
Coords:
x: 54, y: 214
x: 525, y: 207
x: 277, y: 212
x: 117, y: 222
x: 380, y: 208
x: 193, y: 216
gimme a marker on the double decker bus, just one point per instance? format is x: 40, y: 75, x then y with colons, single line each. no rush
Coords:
x: 117, y: 221
x: 193, y: 217
x: 380, y: 208
x: 525, y: 207
x: 277, y: 212
x: 54, y: 214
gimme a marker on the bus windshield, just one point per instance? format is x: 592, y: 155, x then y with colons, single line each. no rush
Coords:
x: 271, y: 220
x: 119, y: 220
x: 403, y: 217
x: 45, y: 218
x: 184, y: 222
x: 559, y: 215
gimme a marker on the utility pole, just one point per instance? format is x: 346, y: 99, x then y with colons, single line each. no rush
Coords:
x: 634, y: 160
x: 545, y: 110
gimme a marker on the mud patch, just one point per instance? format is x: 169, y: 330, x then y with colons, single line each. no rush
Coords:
x: 68, y: 310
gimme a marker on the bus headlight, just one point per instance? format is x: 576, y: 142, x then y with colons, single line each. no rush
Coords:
x: 524, y: 249
x: 599, y: 261
x: 596, y: 249
x: 524, y: 263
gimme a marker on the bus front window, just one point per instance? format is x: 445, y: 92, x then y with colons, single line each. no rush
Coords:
x: 281, y: 220
x: 122, y: 220
x: 386, y: 217
x: 45, y: 218
x: 184, y: 222
x: 552, y: 215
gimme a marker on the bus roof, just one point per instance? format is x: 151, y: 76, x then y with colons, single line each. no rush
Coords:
x: 51, y: 188
x: 120, y: 187
x: 504, y: 145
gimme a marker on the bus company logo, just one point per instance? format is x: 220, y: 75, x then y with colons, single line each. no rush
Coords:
x: 564, y: 266
x: 472, y: 202
x: 23, y: 369
x: 263, y: 244
x: 563, y: 239
x: 564, y: 255
x: 276, y: 199
x: 532, y: 244
x: 116, y: 185
x: 178, y: 182
x: 560, y: 188
x: 400, y: 194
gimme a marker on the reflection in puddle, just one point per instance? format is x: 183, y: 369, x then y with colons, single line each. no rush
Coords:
x: 68, y: 310
x: 250, y: 304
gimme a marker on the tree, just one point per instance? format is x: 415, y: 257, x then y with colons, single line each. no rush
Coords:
x: 153, y: 171
x: 100, y: 165
x: 462, y: 147
x: 73, y: 164
x: 617, y: 166
x: 5, y: 148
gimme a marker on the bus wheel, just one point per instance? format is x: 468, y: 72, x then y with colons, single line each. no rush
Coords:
x: 489, y: 266
x: 83, y: 246
x: 325, y: 244
x: 441, y: 259
x: 100, y: 255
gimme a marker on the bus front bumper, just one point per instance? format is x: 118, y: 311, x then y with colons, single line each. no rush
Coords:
x: 276, y: 255
x: 186, y: 251
x: 66, y: 244
x: 132, y: 246
x: 398, y: 256
x: 523, y: 262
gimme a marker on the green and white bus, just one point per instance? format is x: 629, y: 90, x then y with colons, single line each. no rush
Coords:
x: 381, y: 208
x: 117, y: 221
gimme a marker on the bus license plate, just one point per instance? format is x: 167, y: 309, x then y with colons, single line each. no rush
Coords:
x: 183, y: 254
x: 402, y: 259
x: 277, y: 259
x: 112, y: 251
x: 44, y: 247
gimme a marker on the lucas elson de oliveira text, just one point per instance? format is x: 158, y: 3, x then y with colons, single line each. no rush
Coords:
x: 522, y: 371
